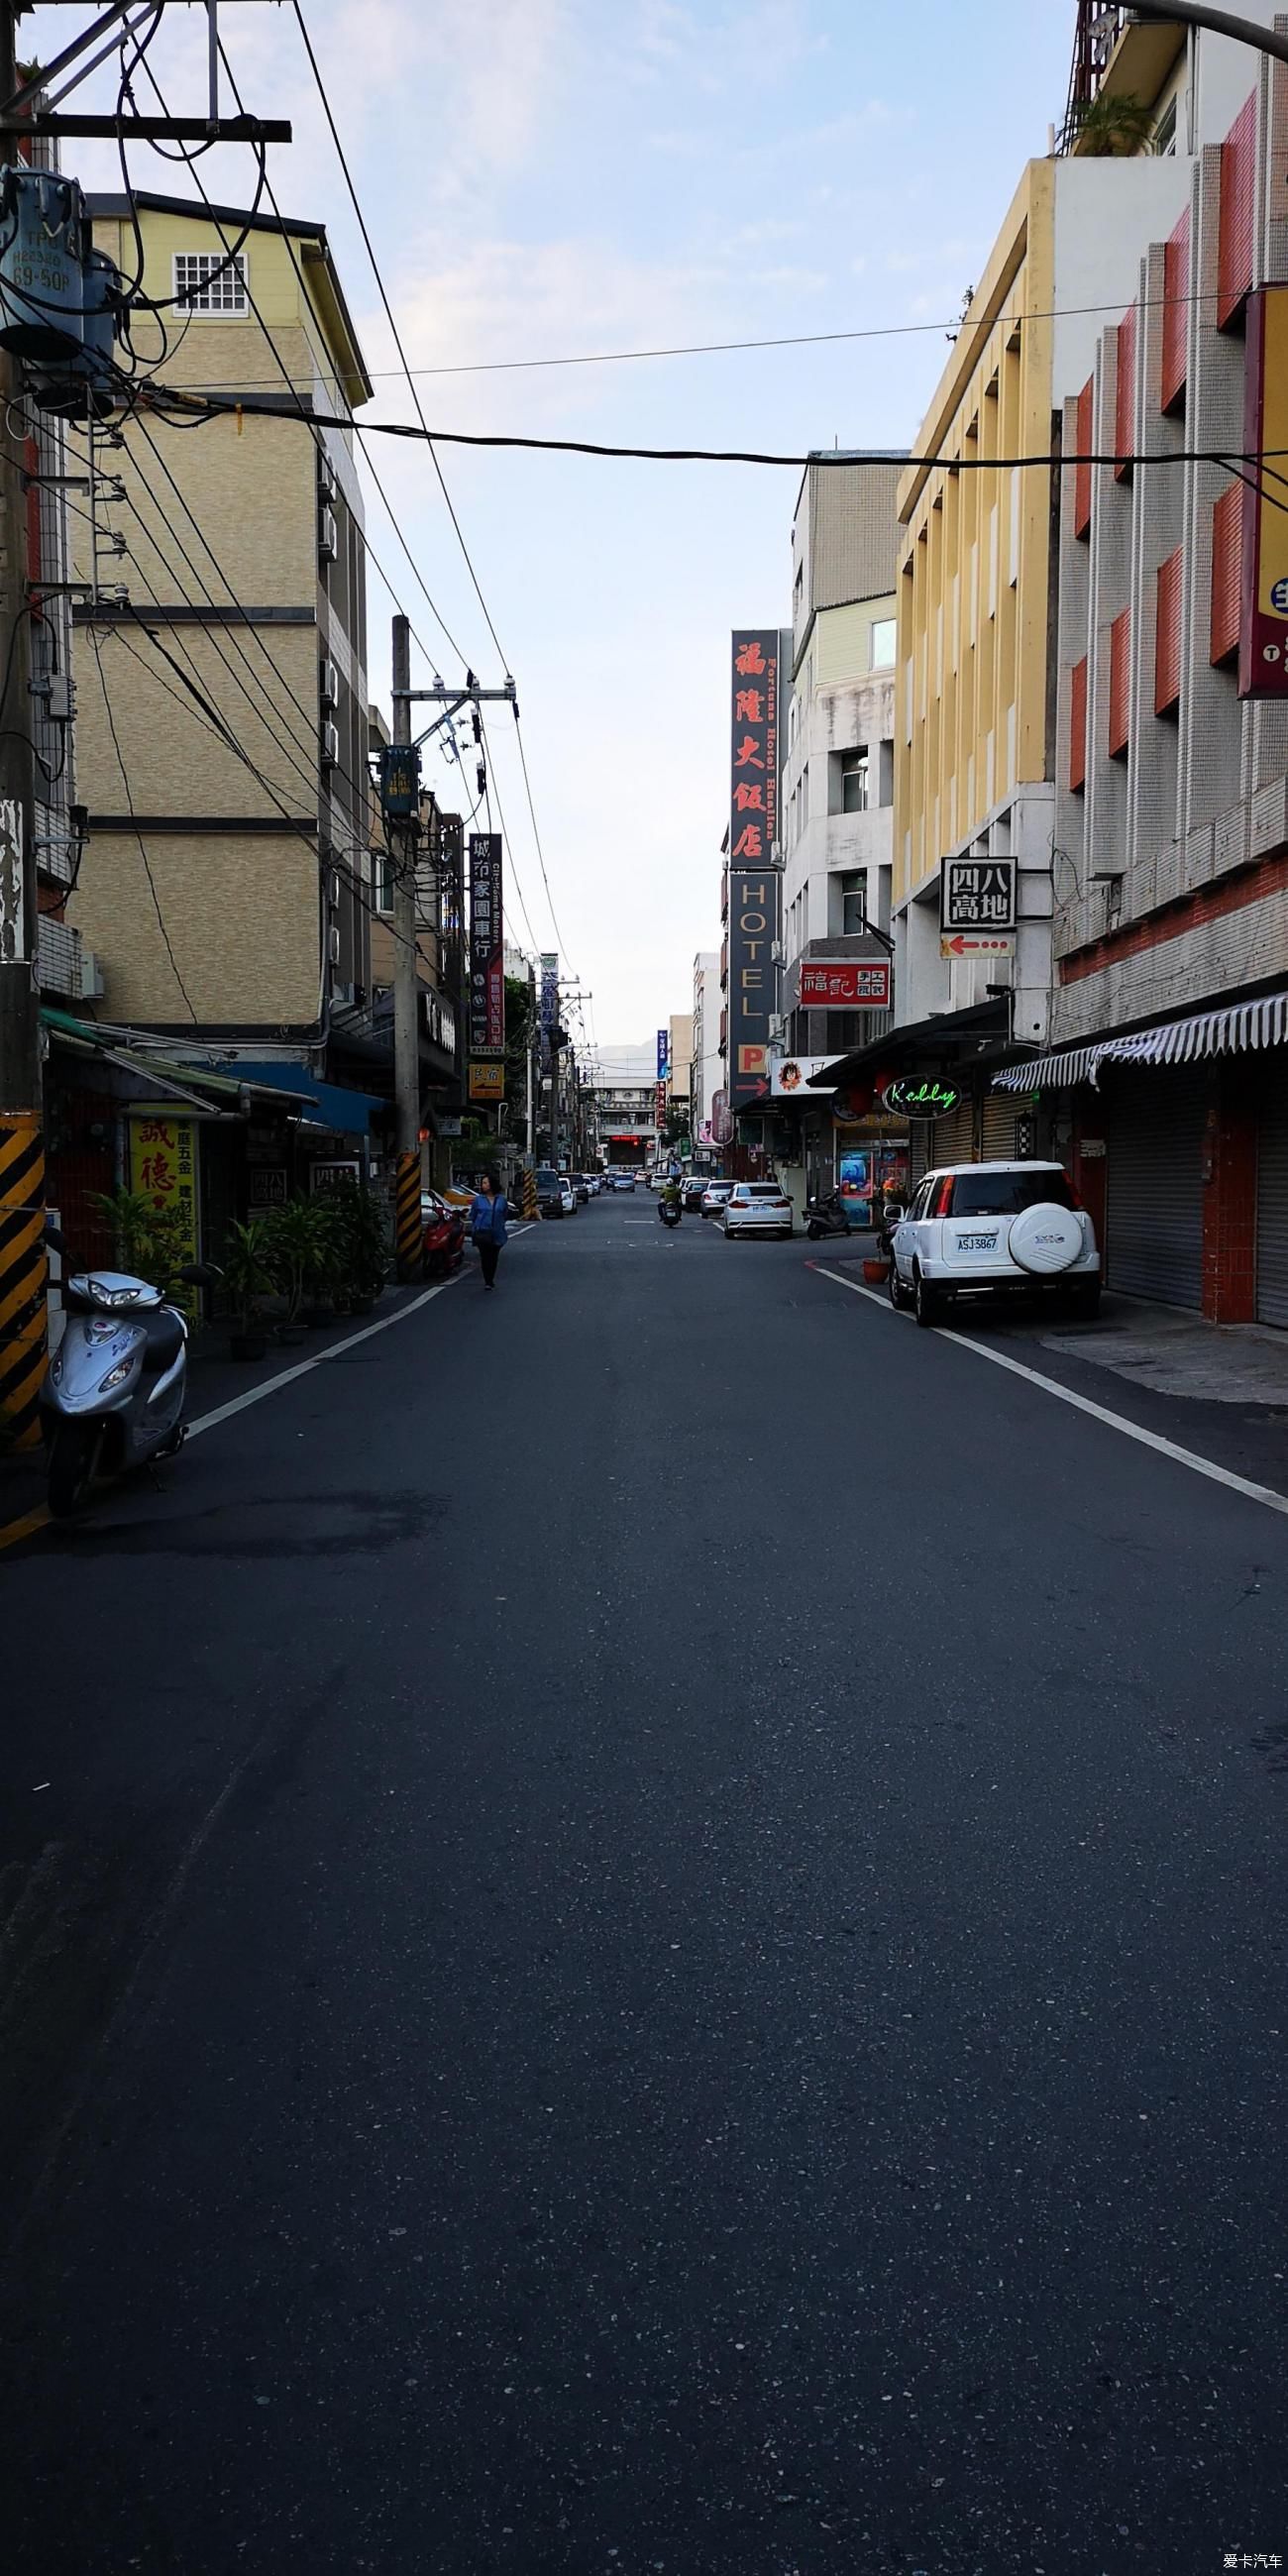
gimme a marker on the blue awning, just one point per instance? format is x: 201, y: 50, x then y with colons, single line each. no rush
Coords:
x: 332, y: 1105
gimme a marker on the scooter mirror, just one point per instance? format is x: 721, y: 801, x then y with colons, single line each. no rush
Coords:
x: 199, y: 1274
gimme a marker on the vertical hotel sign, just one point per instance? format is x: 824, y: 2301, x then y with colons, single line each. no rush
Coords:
x: 1263, y: 619
x: 549, y: 1001
x: 755, y: 883
x: 487, y: 954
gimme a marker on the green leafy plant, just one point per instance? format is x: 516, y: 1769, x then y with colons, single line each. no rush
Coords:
x: 1110, y: 128
x: 248, y: 1271
x: 361, y: 1239
x: 151, y: 1242
x: 295, y: 1247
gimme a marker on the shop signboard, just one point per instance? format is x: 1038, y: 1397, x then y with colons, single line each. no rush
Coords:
x: 913, y: 1098
x: 487, y: 1078
x: 663, y: 1054
x: 977, y: 894
x: 755, y: 881
x: 845, y: 984
x: 789, y: 1077
x: 487, y: 955
x: 333, y: 1176
x: 164, y: 1170
x: 266, y: 1186
x: 549, y: 1001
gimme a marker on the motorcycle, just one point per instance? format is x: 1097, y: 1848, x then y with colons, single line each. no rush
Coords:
x: 669, y: 1215
x: 114, y: 1390
x: 443, y: 1247
x: 826, y: 1216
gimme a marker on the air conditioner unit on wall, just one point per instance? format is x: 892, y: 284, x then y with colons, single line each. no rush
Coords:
x: 330, y: 745
x: 777, y: 1027
x: 328, y: 537
x: 333, y: 945
x: 327, y: 484
x: 335, y: 890
x: 330, y: 684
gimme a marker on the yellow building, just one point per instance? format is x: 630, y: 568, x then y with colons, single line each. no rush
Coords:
x: 976, y: 697
x: 220, y: 660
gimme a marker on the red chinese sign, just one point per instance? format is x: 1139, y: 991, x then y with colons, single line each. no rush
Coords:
x: 754, y: 877
x: 845, y: 984
x: 487, y: 953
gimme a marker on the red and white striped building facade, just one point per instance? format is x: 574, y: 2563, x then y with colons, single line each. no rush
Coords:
x: 1170, y: 846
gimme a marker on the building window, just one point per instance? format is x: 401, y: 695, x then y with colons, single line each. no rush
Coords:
x: 208, y: 282
x: 382, y: 880
x: 883, y: 643
x: 1165, y: 130
x: 853, y: 890
x: 854, y: 782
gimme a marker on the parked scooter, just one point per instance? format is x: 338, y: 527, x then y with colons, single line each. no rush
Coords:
x: 826, y: 1216
x: 114, y: 1391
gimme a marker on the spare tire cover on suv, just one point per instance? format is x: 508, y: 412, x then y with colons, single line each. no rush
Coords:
x: 1045, y: 1239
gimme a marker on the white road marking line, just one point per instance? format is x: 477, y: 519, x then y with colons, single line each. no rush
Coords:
x: 1190, y: 1458
x: 256, y: 1394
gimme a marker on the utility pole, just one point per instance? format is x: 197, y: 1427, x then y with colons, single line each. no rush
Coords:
x: 407, y: 1224
x: 23, y: 1259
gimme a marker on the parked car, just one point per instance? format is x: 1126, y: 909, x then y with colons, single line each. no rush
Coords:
x: 757, y: 1207
x: 714, y: 1196
x: 442, y: 1235
x: 549, y: 1191
x: 568, y: 1195
x: 692, y: 1193
x: 581, y: 1187
x: 994, y: 1229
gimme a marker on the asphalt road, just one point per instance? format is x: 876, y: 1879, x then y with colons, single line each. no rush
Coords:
x: 655, y: 1943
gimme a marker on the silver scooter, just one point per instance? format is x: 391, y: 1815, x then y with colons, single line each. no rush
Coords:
x: 114, y: 1391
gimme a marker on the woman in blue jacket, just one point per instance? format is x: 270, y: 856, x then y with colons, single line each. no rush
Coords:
x: 487, y: 1225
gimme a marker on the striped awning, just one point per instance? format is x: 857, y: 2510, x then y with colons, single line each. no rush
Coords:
x: 1244, y: 1026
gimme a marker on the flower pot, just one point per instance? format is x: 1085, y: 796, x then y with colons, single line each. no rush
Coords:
x: 248, y: 1346
x: 291, y: 1334
x: 876, y: 1273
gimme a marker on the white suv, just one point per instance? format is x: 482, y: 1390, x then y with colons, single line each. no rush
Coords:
x: 984, y: 1229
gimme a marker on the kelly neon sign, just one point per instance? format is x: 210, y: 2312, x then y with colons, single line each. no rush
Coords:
x: 921, y: 1099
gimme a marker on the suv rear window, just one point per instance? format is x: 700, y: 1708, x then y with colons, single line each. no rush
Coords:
x: 1009, y: 1193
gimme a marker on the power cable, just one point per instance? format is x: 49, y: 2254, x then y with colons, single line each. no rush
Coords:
x: 130, y: 808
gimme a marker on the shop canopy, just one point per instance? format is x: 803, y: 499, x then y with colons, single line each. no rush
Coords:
x: 327, y: 1104
x: 1237, y: 1030
x: 946, y: 1036
x: 165, y: 1077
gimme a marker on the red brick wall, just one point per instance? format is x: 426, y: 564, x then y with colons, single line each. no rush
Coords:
x: 1230, y: 1200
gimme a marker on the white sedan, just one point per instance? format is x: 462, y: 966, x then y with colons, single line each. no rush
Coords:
x: 757, y: 1207
x: 988, y: 1229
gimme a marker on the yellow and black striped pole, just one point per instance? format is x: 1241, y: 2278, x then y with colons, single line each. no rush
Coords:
x: 23, y: 1276
x: 528, y: 1193
x: 408, y: 1230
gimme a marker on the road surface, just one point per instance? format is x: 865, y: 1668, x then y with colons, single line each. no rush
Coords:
x: 655, y: 1943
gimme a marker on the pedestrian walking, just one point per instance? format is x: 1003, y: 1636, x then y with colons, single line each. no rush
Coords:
x: 487, y: 1225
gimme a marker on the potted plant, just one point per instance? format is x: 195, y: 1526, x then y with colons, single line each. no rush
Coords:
x: 293, y: 1248
x: 360, y: 1223
x: 248, y: 1278
x: 330, y: 1273
x: 151, y: 1242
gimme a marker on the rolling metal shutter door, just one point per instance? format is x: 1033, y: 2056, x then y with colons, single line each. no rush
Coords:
x: 1272, y: 1210
x: 1001, y: 1119
x: 1155, y: 1202
x: 952, y: 1137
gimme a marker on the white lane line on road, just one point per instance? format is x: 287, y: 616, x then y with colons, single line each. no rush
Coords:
x: 336, y: 1350
x: 1082, y: 1403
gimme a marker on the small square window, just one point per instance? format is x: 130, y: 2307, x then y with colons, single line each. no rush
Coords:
x: 382, y: 880
x: 207, y: 281
x: 883, y: 632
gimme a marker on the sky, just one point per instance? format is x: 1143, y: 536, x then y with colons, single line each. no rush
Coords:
x: 558, y: 178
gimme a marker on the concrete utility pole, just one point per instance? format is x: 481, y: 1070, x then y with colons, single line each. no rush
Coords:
x: 1218, y: 22
x: 23, y: 1262
x: 407, y: 1224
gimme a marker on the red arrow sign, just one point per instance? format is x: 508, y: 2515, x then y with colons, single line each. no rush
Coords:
x: 970, y: 943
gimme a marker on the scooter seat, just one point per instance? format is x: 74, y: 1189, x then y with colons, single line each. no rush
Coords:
x: 164, y: 1339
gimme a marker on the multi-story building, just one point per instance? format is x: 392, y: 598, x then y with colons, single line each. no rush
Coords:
x: 1170, y: 781
x: 223, y: 710
x: 975, y: 686
x: 838, y: 777
x: 704, y: 1063
x: 625, y: 1106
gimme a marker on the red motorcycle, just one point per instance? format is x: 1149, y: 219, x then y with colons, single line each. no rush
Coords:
x: 443, y: 1248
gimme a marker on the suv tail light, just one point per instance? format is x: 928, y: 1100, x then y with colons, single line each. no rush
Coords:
x: 944, y: 1198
